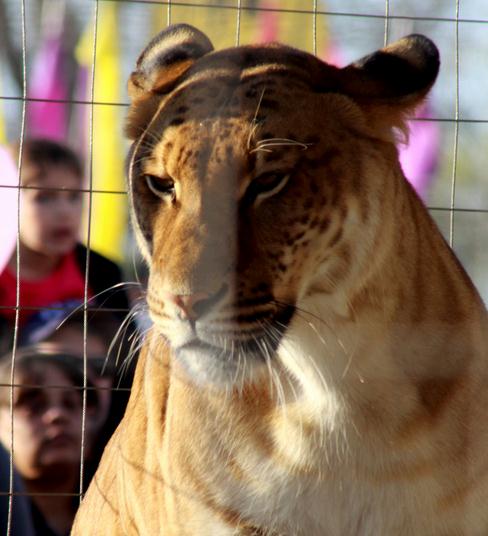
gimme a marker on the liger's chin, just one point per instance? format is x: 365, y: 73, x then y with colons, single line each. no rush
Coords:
x: 210, y: 356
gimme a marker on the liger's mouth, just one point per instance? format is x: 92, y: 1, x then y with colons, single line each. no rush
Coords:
x: 262, y: 344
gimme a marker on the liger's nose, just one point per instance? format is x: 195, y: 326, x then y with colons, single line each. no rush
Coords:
x: 193, y: 306
x: 189, y: 305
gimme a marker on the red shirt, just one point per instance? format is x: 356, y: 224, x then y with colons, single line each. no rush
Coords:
x: 65, y: 283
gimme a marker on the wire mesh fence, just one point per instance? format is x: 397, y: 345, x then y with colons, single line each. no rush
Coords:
x: 63, y: 74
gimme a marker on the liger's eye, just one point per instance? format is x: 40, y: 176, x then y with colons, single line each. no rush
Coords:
x: 162, y: 187
x: 267, y: 184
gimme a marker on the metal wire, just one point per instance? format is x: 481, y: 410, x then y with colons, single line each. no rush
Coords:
x: 387, y: 22
x: 78, y: 190
x: 127, y: 104
x: 63, y: 101
x: 314, y: 28
x: 258, y: 9
x: 49, y: 308
x: 17, y: 273
x: 238, y: 23
x: 65, y: 387
x: 456, y: 132
x: 88, y: 237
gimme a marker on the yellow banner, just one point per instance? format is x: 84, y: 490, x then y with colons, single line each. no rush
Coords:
x: 109, y: 210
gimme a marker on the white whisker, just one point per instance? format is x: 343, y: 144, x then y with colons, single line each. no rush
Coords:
x: 263, y: 145
x: 82, y: 306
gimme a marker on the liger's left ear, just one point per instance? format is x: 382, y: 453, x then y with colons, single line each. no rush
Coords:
x: 403, y: 71
x: 395, y: 79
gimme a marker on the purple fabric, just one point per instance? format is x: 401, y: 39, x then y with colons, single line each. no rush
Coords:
x: 45, y: 118
x: 419, y: 159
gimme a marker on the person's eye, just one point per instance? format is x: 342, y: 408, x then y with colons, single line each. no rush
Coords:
x: 75, y: 196
x: 31, y: 400
x: 44, y: 197
x: 71, y: 401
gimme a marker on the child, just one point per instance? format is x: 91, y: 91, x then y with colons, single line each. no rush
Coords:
x: 47, y: 430
x: 52, y: 261
x: 110, y: 372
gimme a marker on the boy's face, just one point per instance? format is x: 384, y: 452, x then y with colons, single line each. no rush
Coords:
x: 50, y: 219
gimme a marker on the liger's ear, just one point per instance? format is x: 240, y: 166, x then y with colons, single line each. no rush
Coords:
x: 394, y: 80
x: 404, y: 70
x: 162, y: 63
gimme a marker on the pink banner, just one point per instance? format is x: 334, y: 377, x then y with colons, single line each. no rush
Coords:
x: 268, y: 26
x: 8, y: 206
x: 45, y: 118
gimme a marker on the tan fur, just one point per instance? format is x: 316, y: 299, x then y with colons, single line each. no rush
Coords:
x: 362, y: 410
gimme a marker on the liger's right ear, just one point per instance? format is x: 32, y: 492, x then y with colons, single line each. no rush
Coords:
x: 162, y: 63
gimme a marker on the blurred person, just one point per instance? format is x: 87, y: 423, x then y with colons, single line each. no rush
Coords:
x: 64, y: 332
x: 106, y: 353
x: 52, y: 260
x: 47, y: 431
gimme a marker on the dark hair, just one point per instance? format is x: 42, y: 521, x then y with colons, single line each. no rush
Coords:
x: 43, y: 153
x: 101, y: 324
x: 30, y: 356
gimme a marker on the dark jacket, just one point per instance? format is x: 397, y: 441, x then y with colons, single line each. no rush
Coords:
x: 21, y: 521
